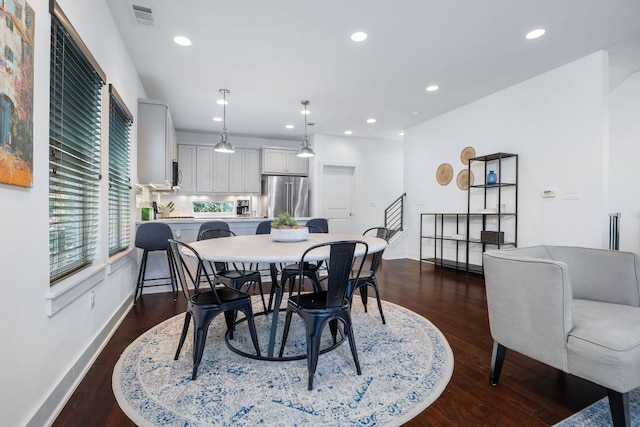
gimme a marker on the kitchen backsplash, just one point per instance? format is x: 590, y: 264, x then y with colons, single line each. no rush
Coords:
x: 183, y: 202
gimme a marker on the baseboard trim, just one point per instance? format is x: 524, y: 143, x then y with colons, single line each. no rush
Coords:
x: 58, y: 398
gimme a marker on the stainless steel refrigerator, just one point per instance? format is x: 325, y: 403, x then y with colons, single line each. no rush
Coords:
x: 288, y: 194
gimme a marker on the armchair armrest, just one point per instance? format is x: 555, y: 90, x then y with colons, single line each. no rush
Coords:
x: 529, y: 302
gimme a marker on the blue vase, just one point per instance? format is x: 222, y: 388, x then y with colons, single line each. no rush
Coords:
x: 492, y: 178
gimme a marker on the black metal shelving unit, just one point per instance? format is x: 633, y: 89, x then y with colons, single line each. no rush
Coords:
x: 457, y: 234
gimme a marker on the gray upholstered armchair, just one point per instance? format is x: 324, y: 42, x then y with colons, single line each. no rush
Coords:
x: 575, y: 309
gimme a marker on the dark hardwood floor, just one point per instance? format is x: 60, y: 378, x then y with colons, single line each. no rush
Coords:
x: 529, y: 393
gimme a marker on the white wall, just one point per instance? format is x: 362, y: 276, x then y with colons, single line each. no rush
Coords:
x: 624, y: 154
x: 379, y: 166
x: 43, y: 356
x: 556, y: 122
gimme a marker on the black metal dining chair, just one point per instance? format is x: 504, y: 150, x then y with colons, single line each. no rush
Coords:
x: 204, y: 306
x: 289, y: 272
x: 236, y: 276
x: 316, y: 309
x: 367, y: 277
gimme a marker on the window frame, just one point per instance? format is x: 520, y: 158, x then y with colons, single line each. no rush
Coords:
x: 120, y: 123
x: 75, y: 120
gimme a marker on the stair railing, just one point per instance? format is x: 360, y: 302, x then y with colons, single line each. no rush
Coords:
x: 394, y: 215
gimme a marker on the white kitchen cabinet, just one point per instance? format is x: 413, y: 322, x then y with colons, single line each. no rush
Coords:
x: 221, y: 163
x: 211, y: 170
x: 157, y: 143
x: 187, y: 162
x: 204, y: 169
x: 280, y: 161
x: 244, y: 173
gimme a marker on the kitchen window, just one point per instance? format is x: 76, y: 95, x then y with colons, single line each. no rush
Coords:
x: 120, y: 120
x: 213, y: 207
x: 75, y: 87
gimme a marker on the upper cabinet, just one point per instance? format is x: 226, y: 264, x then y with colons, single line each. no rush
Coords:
x: 244, y: 173
x: 157, y: 144
x: 206, y: 171
x: 212, y: 170
x: 280, y: 161
x: 187, y: 161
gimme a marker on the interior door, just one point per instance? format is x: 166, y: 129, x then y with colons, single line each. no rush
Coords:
x: 338, y: 191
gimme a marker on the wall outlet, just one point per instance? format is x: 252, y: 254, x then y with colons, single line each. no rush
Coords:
x: 92, y: 298
x: 373, y: 204
x: 546, y: 194
x: 571, y: 195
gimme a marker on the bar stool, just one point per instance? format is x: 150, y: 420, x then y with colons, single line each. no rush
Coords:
x: 150, y: 237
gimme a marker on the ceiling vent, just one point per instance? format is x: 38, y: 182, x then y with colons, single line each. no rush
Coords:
x: 143, y: 15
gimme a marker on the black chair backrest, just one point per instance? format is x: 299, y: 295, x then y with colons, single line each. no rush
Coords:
x: 213, y: 225
x: 153, y: 236
x: 318, y: 225
x: 382, y: 233
x: 180, y: 268
x: 264, y: 227
x: 339, y: 267
x: 214, y: 233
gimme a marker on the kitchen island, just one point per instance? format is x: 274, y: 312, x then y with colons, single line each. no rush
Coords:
x: 185, y: 229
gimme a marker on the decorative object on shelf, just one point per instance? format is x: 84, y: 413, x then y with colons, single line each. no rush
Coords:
x: 492, y: 178
x: 464, y: 179
x: 285, y: 228
x: 224, y: 146
x: 305, y: 150
x: 466, y: 154
x: 444, y: 174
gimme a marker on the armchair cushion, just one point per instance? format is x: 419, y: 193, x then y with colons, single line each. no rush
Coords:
x: 604, y: 344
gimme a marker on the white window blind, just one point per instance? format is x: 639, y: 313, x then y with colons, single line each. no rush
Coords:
x: 120, y: 120
x: 74, y: 150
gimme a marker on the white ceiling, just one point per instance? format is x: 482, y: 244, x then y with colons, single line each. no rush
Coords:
x: 273, y: 54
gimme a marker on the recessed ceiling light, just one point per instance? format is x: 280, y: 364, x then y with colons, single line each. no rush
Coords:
x: 359, y: 36
x: 535, y: 34
x: 182, y: 41
x: 371, y: 120
x: 415, y: 113
x: 289, y: 126
x: 222, y: 102
x: 348, y: 132
x: 305, y: 111
x: 217, y: 119
x: 432, y: 88
x: 401, y: 133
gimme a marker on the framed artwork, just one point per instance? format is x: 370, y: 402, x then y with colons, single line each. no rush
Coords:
x: 17, y: 24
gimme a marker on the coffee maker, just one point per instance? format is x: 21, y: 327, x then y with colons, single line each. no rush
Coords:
x: 242, y: 207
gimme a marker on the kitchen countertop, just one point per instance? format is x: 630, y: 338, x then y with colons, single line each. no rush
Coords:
x: 198, y: 220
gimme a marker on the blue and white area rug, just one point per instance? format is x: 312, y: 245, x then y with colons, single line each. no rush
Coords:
x: 598, y: 414
x: 406, y: 364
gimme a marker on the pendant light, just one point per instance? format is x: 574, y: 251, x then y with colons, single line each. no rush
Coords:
x: 305, y: 150
x: 224, y: 146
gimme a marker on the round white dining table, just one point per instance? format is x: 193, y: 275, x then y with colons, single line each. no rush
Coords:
x: 260, y: 248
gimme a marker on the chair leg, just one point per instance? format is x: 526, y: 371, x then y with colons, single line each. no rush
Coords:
x: 230, y: 318
x: 619, y: 405
x: 363, y: 295
x: 333, y: 328
x: 346, y: 319
x: 375, y: 288
x: 285, y: 334
x: 252, y: 328
x: 141, y: 274
x: 185, y: 329
x: 172, y: 276
x: 201, y: 327
x: 497, y: 359
x: 313, y: 350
